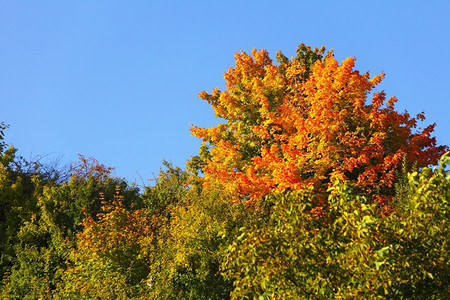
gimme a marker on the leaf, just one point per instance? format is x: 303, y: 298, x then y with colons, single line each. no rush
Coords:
x: 378, y: 264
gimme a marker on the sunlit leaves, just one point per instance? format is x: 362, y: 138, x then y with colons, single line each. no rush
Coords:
x: 315, y: 161
x: 109, y: 260
x: 303, y: 122
x: 348, y: 250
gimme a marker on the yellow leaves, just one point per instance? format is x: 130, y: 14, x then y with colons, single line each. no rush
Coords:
x: 294, y: 70
x: 247, y: 67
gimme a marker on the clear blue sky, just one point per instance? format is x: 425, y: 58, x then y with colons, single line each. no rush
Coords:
x: 118, y: 80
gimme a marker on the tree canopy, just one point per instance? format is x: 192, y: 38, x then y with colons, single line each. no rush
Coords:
x: 304, y: 122
x: 312, y: 187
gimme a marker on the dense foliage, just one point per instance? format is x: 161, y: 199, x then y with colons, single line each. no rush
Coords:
x: 306, y: 190
x: 304, y: 122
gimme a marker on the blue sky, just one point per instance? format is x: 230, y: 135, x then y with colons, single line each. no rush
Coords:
x: 118, y: 80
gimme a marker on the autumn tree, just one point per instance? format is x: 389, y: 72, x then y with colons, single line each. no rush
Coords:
x: 108, y: 261
x: 303, y: 121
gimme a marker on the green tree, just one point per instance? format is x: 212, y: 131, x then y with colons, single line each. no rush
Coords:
x: 349, y: 250
x: 18, y: 201
x: 186, y: 255
x: 417, y: 263
x: 44, y: 221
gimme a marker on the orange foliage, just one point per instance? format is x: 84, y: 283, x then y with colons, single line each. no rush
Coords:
x: 304, y: 122
x: 116, y: 228
x: 118, y: 240
x: 86, y: 167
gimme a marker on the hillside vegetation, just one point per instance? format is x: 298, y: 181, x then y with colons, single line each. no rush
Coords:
x: 312, y: 187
